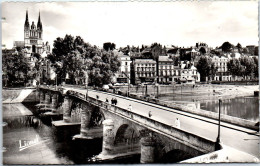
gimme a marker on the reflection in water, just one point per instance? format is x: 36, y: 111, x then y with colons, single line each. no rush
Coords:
x: 241, y: 107
x: 28, y: 140
x: 41, y: 143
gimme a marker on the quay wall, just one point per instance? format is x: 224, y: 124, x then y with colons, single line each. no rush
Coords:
x: 19, y: 95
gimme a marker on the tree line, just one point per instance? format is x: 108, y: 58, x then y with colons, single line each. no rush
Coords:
x: 72, y: 59
x: 79, y: 62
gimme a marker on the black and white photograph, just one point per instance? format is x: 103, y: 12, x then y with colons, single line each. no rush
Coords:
x: 134, y: 82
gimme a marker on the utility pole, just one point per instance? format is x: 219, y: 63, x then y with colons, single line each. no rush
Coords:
x: 217, y: 145
x: 146, y: 90
x: 128, y: 83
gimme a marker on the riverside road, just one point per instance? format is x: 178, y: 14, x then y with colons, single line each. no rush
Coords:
x: 239, y: 138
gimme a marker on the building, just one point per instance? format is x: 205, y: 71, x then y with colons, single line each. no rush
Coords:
x: 202, y: 46
x: 189, y: 75
x: 186, y: 73
x: 222, y: 72
x: 123, y: 75
x: 165, y: 69
x: 33, y: 37
x: 251, y: 49
x: 145, y: 70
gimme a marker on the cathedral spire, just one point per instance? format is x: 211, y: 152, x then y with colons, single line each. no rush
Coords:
x: 39, y: 24
x: 26, y: 24
x: 26, y: 19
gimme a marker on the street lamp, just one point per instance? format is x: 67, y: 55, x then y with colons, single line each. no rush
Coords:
x: 217, y: 145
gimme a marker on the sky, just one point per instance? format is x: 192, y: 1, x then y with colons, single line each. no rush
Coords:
x: 179, y: 23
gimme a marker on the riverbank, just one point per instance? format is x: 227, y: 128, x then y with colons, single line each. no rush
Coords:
x: 198, y: 92
x: 210, y: 92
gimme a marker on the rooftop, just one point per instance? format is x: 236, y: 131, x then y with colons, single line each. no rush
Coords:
x: 165, y: 59
x: 145, y: 61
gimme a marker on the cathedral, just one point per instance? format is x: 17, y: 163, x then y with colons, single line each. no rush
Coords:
x: 33, y: 35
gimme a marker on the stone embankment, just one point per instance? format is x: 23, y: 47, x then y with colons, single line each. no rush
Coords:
x: 19, y: 95
x: 203, y: 92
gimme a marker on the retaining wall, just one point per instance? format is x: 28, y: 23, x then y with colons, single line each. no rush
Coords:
x: 19, y: 95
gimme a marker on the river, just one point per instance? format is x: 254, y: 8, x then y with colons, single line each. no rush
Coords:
x: 31, y: 139
x: 241, y: 107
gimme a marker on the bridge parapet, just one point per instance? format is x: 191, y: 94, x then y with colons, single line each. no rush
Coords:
x: 199, y: 143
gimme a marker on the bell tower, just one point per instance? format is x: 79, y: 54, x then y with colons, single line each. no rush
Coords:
x: 33, y: 35
x: 39, y: 26
x: 26, y: 29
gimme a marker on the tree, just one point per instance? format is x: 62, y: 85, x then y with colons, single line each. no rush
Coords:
x: 205, y: 67
x: 213, y: 70
x: 176, y: 60
x: 36, y: 55
x: 61, y: 47
x: 80, y: 60
x: 202, y: 50
x: 234, y: 67
x: 103, y: 68
x: 16, y: 68
x: 248, y: 65
x: 226, y: 47
x: 245, y: 50
x: 146, y: 55
x: 109, y: 46
x: 214, y: 52
x: 62, y: 55
x: 255, y: 66
x: 244, y: 66
x: 157, y: 50
x: 239, y: 47
x: 256, y: 51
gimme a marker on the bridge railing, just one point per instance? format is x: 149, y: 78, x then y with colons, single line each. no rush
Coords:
x: 197, y: 111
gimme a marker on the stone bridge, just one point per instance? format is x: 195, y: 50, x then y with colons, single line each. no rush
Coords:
x: 124, y: 132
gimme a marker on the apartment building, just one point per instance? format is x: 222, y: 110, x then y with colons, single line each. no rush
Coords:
x: 145, y: 70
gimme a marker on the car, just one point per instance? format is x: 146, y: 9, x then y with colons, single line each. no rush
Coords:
x: 105, y: 87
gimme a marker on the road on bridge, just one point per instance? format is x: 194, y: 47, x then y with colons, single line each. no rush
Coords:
x: 239, y: 138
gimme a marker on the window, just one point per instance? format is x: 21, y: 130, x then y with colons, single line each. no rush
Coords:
x: 126, y: 63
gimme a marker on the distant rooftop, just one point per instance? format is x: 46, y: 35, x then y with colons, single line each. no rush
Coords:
x: 145, y: 61
x: 164, y: 59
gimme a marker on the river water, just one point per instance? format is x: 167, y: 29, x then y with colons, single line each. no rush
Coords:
x: 31, y: 139
x: 241, y: 107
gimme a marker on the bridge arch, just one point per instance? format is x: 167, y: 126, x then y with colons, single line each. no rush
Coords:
x: 97, y: 117
x: 126, y: 134
x: 172, y: 151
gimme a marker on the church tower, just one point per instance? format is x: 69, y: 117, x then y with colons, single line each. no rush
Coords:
x: 33, y: 35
